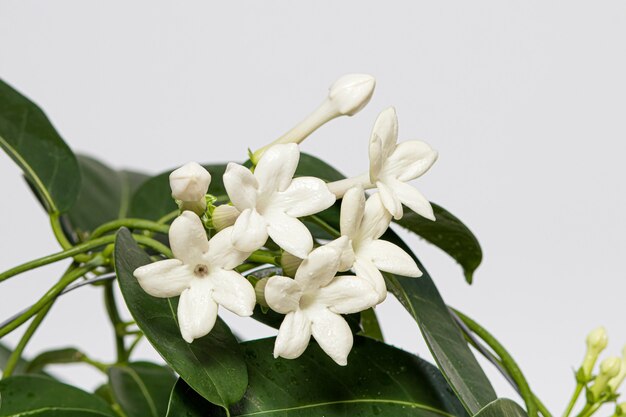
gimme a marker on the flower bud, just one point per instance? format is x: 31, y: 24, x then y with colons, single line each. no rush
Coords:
x: 259, y: 290
x: 616, y: 381
x: 620, y: 409
x: 289, y: 263
x: 224, y: 216
x: 609, y: 368
x: 190, y: 182
x: 596, y: 342
x: 350, y: 93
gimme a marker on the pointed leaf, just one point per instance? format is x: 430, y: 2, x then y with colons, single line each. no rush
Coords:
x: 65, y: 355
x: 29, y: 138
x: 213, y: 365
x: 502, y: 407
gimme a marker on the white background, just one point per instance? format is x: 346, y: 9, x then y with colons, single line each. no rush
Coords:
x: 525, y: 102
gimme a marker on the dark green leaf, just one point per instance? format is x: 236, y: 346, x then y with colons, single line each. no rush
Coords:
x: 213, y: 365
x: 141, y: 389
x: 66, y: 355
x: 29, y: 138
x: 42, y: 396
x: 5, y: 353
x: 379, y: 380
x: 502, y: 407
x: 449, y: 234
x: 371, y: 327
x: 153, y: 199
x: 445, y: 341
x: 315, y: 167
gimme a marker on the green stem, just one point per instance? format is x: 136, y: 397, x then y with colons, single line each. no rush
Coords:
x: 134, y: 344
x: 153, y: 244
x: 589, y: 409
x: 19, y: 349
x: 263, y: 257
x: 131, y: 224
x: 57, y: 229
x: 116, y: 321
x: 507, y: 361
x: 324, y: 225
x: 542, y: 407
x: 572, y: 401
x: 169, y: 216
x: 81, y: 248
x: 49, y: 296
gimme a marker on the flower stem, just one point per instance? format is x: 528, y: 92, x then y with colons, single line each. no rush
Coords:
x: 263, y: 257
x: 169, y: 216
x: 116, y: 321
x: 589, y: 409
x: 131, y: 224
x: 572, y: 401
x: 324, y: 225
x: 57, y: 229
x: 153, y: 244
x: 508, y: 362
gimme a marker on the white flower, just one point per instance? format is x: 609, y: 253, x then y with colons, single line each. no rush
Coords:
x: 201, y: 274
x: 313, y: 303
x: 270, y: 201
x: 392, y: 165
x: 190, y: 182
x: 363, y: 223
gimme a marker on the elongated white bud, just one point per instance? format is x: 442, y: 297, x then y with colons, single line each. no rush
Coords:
x: 596, y: 343
x: 190, y: 182
x: 224, y: 216
x: 616, y: 381
x: 609, y: 368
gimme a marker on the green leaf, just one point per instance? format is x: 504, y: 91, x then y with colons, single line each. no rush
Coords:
x: 379, y: 380
x: 5, y: 353
x: 213, y: 365
x: 141, y: 389
x: 371, y: 327
x: 65, y: 355
x: 29, y: 138
x: 445, y: 341
x: 104, y: 195
x: 153, y: 199
x: 502, y: 407
x: 315, y: 167
x: 449, y: 234
x: 40, y: 396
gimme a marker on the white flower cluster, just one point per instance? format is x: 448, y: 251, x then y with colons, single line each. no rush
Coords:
x: 266, y: 202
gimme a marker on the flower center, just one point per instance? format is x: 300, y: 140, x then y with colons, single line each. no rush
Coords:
x: 201, y: 271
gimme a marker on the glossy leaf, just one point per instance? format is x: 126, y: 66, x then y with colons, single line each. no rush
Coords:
x: 502, y: 407
x: 371, y: 327
x: 445, y: 341
x: 5, y: 353
x: 104, y: 195
x: 449, y: 234
x: 309, y: 165
x: 153, y: 199
x: 213, y: 365
x: 65, y: 355
x: 141, y: 389
x: 29, y: 138
x: 379, y: 380
x: 45, y: 397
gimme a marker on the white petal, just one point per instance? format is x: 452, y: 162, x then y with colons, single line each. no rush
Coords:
x: 222, y: 253
x: 344, y: 245
x: 348, y: 294
x: 250, y: 231
x: 190, y: 182
x: 188, y: 238
x: 233, y: 292
x: 303, y: 197
x: 319, y: 268
x: 164, y: 279
x: 197, y: 311
x: 390, y: 200
x: 293, y: 336
x: 390, y: 258
x: 277, y: 166
x: 386, y: 128
x: 410, y: 160
x: 289, y: 233
x: 282, y: 294
x: 376, y: 158
x: 241, y: 186
x: 376, y: 219
x: 352, y: 207
x: 224, y: 216
x: 364, y: 268
x: 333, y: 334
x: 412, y: 198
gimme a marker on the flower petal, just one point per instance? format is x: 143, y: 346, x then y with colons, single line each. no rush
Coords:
x: 197, y: 311
x: 332, y: 333
x: 224, y: 216
x: 352, y: 207
x: 190, y: 182
x: 293, y: 336
x: 390, y: 200
x: 348, y: 294
x: 276, y: 167
x: 188, y: 238
x: 375, y: 222
x: 282, y: 294
x: 164, y: 279
x: 319, y: 268
x: 364, y: 268
x: 412, y: 198
x: 410, y: 160
x: 376, y: 158
x: 386, y: 128
x: 303, y: 197
x: 241, y: 186
x: 390, y: 258
x: 222, y: 253
x: 249, y: 232
x: 233, y: 292
x: 289, y: 233
x: 344, y: 245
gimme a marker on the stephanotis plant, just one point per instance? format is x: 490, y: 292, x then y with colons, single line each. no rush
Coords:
x: 282, y: 238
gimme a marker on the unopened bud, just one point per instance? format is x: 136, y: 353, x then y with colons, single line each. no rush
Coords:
x: 259, y: 290
x: 620, y: 409
x: 290, y: 264
x: 190, y: 182
x: 350, y: 93
x: 609, y: 368
x: 224, y: 216
x: 616, y: 381
x: 596, y: 343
